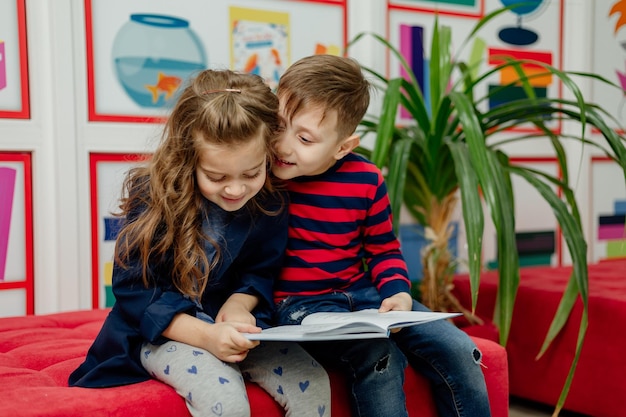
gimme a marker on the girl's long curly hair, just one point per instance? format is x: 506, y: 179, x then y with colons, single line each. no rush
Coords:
x: 217, y: 106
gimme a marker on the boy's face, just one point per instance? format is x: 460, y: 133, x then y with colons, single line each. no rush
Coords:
x: 307, y: 147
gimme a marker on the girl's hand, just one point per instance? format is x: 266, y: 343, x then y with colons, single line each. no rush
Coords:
x: 223, y: 340
x: 226, y: 342
x: 401, y: 301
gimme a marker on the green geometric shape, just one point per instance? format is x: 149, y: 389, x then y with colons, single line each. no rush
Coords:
x: 616, y: 249
x: 536, y: 259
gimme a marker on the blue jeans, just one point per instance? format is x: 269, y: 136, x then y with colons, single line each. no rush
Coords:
x: 438, y: 350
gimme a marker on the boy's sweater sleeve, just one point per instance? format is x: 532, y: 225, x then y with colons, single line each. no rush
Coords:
x: 384, y: 259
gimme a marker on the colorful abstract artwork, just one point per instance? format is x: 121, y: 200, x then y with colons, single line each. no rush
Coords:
x: 532, y: 33
x: 14, y: 91
x: 508, y: 76
x: 16, y: 235
x: 7, y: 190
x: 612, y: 230
x: 517, y: 34
x: 534, y: 248
x: 260, y: 42
x: 151, y: 73
x: 537, y: 234
x: 609, y: 49
x: 140, y: 54
x: 472, y: 8
x: 608, y: 228
x: 107, y: 176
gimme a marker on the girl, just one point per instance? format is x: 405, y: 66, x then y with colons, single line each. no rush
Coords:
x: 195, y: 261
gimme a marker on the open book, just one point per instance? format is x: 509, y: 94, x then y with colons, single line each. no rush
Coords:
x: 364, y: 324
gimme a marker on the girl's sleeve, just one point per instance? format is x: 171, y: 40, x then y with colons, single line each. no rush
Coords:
x: 150, y: 309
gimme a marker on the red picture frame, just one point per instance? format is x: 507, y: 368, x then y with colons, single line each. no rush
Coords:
x: 98, y: 236
x: 23, y: 112
x: 97, y: 115
x: 28, y: 282
x: 451, y: 10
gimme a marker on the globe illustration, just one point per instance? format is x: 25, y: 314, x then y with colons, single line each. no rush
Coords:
x: 154, y: 55
x: 517, y: 35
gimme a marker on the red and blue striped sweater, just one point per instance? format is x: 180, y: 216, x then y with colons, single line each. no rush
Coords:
x: 336, y: 220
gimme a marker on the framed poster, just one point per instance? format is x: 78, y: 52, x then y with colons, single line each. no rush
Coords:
x: 537, y: 233
x: 468, y: 8
x: 533, y: 33
x: 107, y: 172
x: 607, y: 196
x: 609, y: 48
x: 14, y: 96
x: 140, y: 53
x: 16, y: 235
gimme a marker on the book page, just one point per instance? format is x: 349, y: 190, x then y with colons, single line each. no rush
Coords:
x: 364, y: 324
x: 383, y: 321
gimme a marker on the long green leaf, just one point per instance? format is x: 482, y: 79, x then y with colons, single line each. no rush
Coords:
x: 396, y: 177
x: 472, y: 213
x: 387, y: 123
x: 460, y: 142
x: 498, y: 195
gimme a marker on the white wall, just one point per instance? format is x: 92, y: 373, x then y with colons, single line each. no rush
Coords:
x: 60, y: 138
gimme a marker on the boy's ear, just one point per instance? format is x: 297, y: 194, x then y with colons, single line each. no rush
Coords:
x: 347, y: 146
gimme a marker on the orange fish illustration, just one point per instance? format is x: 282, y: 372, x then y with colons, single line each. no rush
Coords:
x: 276, y: 56
x: 251, y: 64
x: 165, y: 83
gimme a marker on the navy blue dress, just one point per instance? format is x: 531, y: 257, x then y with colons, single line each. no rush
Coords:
x: 251, y: 259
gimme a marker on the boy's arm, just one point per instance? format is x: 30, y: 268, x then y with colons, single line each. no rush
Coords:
x: 388, y: 269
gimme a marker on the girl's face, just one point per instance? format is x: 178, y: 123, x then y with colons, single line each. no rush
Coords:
x: 230, y: 175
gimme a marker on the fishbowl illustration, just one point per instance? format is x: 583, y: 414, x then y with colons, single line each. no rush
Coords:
x: 154, y: 55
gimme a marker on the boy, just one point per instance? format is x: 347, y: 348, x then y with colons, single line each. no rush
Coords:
x: 340, y: 217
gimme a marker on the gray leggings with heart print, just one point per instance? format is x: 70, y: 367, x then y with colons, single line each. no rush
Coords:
x: 213, y: 388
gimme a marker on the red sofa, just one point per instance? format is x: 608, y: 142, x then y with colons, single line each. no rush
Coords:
x: 599, y: 386
x: 37, y: 353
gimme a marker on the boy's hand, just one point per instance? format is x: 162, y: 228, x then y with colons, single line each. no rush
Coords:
x: 237, y: 308
x: 401, y: 301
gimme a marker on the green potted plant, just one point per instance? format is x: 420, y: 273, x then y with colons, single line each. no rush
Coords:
x: 453, y: 148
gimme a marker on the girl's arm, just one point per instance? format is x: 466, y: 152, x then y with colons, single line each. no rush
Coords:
x: 223, y: 340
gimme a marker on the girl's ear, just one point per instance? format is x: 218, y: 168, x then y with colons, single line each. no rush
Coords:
x: 347, y: 146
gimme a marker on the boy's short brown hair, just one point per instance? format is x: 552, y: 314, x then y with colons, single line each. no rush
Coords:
x: 328, y: 82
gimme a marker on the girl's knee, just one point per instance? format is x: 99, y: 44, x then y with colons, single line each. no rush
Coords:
x: 219, y: 408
